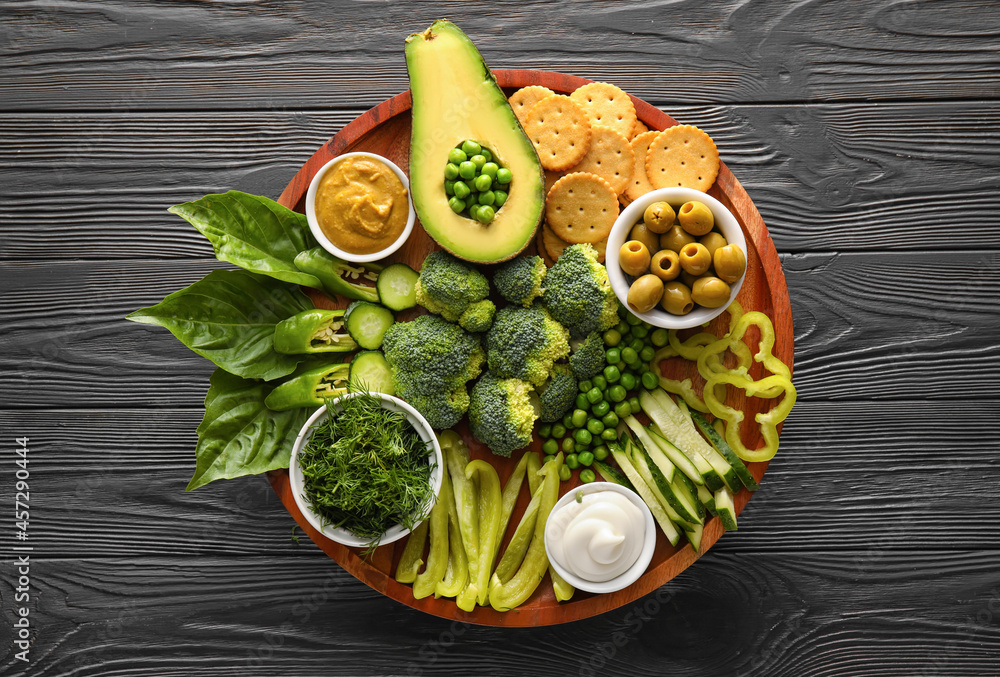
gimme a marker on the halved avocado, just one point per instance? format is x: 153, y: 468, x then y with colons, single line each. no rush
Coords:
x: 456, y: 97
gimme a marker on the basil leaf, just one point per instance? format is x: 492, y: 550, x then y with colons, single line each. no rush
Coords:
x: 239, y: 435
x: 252, y: 232
x: 228, y: 317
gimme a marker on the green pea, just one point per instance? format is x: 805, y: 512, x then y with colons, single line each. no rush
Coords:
x: 628, y: 381
x: 610, y: 420
x: 457, y: 204
x: 612, y: 337
x: 601, y: 452
x: 462, y: 190
x: 612, y: 374
x: 558, y: 430
x: 641, y: 368
x: 594, y: 395
x: 600, y: 382
x: 473, y: 208
x: 579, y: 418
x: 613, y: 356
x: 659, y: 337
x: 583, y: 436
x: 504, y: 175
x: 568, y: 445
x: 636, y: 345
x: 489, y: 168
x: 640, y: 332
x: 479, y: 160
x: 501, y: 197
x: 545, y: 430
x: 584, y: 386
x: 623, y: 328
x: 649, y: 381
x: 451, y: 171
x: 581, y: 401
x: 629, y: 355
x: 449, y: 187
x: 633, y: 403
x: 470, y: 147
x: 488, y: 198
x: 610, y: 434
x: 486, y: 154
x: 617, y: 393
x: 486, y: 214
x: 586, y: 458
x: 482, y: 183
x: 455, y: 156
x: 550, y: 447
x: 550, y: 457
x: 601, y: 408
x: 622, y: 409
x: 565, y: 473
x: 587, y: 476
x: 595, y: 427
x: 647, y: 352
x: 467, y: 170
x: 633, y: 320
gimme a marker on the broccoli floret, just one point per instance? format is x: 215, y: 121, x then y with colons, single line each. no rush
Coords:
x: 447, y: 286
x: 587, y: 359
x: 557, y: 395
x: 432, y: 361
x: 578, y: 293
x: 520, y: 280
x: 502, y: 413
x: 524, y: 343
x: 478, y: 317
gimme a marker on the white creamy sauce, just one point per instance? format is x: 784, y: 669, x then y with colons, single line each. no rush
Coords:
x: 598, y: 538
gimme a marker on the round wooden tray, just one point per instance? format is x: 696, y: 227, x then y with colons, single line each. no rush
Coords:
x: 385, y: 130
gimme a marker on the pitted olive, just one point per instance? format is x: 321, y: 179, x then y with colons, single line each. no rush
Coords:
x: 696, y: 218
x: 674, y: 239
x: 713, y: 241
x: 644, y: 235
x: 710, y: 292
x: 659, y: 217
x: 676, y: 298
x: 645, y: 293
x: 665, y: 265
x: 633, y: 257
x: 695, y: 258
x: 730, y: 263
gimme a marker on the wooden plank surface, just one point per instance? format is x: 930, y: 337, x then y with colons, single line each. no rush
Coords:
x: 866, y: 131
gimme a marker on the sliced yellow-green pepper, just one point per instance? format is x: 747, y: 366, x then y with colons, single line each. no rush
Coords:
x: 490, y: 513
x: 437, y: 558
x: 457, y: 575
x: 313, y: 331
x: 766, y: 387
x: 456, y: 456
x: 519, y: 542
x: 411, y: 560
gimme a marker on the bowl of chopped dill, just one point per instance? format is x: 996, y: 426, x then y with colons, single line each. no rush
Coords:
x: 366, y: 469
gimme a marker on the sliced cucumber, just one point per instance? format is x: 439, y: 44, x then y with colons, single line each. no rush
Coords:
x: 707, y: 499
x: 676, y: 457
x: 694, y: 536
x: 662, y: 489
x: 367, y: 323
x: 727, y: 452
x: 725, y: 508
x: 370, y: 372
x: 666, y: 467
x: 612, y: 474
x: 669, y: 529
x: 712, y: 479
x: 686, y: 493
x: 397, y: 286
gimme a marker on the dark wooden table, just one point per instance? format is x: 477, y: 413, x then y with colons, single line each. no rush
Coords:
x: 868, y: 134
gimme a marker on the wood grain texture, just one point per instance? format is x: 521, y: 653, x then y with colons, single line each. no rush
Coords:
x: 824, y: 177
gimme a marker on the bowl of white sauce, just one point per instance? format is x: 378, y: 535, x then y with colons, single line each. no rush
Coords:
x: 600, y: 537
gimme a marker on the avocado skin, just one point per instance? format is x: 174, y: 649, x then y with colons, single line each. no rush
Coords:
x: 456, y: 97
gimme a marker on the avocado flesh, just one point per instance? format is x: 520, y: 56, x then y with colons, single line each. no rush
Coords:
x: 455, y: 98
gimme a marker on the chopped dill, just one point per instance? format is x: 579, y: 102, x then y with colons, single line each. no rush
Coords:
x: 366, y: 469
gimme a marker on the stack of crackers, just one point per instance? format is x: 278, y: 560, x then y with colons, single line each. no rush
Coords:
x: 598, y: 155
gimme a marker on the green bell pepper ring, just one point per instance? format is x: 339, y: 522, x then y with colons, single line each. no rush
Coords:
x: 734, y: 342
x: 437, y: 558
x: 685, y: 390
x: 490, y: 513
x: 411, y: 561
x: 313, y: 331
x: 339, y: 276
x: 456, y: 456
x: 310, y: 388
x: 563, y: 590
x: 734, y: 417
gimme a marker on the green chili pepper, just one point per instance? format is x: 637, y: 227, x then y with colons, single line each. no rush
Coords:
x: 437, y: 557
x: 457, y: 575
x: 313, y: 331
x: 490, y: 513
x: 410, y: 561
x: 350, y: 280
x: 310, y: 388
x: 456, y: 456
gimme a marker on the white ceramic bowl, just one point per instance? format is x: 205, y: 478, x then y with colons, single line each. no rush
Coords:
x: 321, y: 237
x: 632, y: 214
x: 645, y: 555
x: 344, y: 536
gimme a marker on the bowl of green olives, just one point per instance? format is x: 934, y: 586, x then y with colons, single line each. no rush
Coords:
x: 676, y: 257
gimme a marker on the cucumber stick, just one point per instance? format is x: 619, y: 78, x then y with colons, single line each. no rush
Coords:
x: 711, y: 478
x: 672, y: 533
x: 662, y: 488
x: 676, y: 457
x: 707, y: 499
x: 612, y: 474
x: 666, y: 466
x: 717, y: 441
x: 725, y: 508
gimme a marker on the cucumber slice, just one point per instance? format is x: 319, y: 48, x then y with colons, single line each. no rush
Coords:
x: 676, y: 457
x: 671, y: 531
x: 367, y: 323
x: 612, y: 474
x: 685, y: 492
x: 712, y: 479
x: 397, y: 286
x: 726, y: 509
x: 694, y: 536
x: 707, y: 499
x: 672, y: 503
x: 370, y: 372
x: 727, y: 452
x: 667, y: 468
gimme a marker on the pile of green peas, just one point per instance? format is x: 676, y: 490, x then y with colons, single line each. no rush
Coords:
x: 476, y: 184
x: 605, y: 399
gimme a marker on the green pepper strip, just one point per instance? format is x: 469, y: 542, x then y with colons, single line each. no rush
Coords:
x: 457, y: 575
x: 563, y: 590
x: 313, y: 331
x: 490, y: 509
x: 519, y: 542
x: 332, y: 272
x: 411, y: 561
x: 310, y: 388
x: 437, y: 558
x: 768, y: 421
x: 456, y: 456
x: 506, y: 596
x: 510, y: 494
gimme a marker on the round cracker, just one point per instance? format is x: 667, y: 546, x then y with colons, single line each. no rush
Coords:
x: 682, y: 156
x: 551, y: 178
x: 523, y: 99
x: 607, y: 106
x: 553, y: 246
x: 638, y: 129
x: 610, y: 157
x: 639, y: 184
x: 560, y: 131
x: 581, y: 207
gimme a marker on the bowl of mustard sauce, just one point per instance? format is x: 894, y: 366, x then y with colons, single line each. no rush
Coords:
x: 358, y: 207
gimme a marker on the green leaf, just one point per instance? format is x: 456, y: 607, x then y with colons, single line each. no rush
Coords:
x: 228, y: 317
x: 252, y: 232
x: 239, y: 435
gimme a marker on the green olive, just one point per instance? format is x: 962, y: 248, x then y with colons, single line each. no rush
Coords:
x: 710, y: 292
x: 665, y: 264
x: 695, y: 258
x: 696, y: 218
x: 659, y: 217
x: 674, y: 239
x: 713, y: 241
x: 645, y: 293
x: 676, y: 298
x: 633, y: 257
x: 644, y: 235
x: 687, y: 278
x: 730, y: 263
